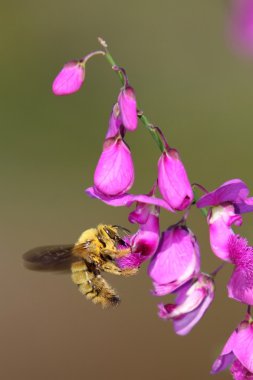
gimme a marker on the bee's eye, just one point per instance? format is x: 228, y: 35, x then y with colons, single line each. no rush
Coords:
x: 110, y: 233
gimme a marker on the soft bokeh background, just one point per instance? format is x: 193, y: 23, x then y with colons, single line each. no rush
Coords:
x: 197, y: 90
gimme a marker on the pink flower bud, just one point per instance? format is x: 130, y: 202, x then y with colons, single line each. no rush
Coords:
x: 173, y: 182
x: 176, y: 261
x: 192, y: 301
x: 69, y: 79
x: 128, y: 108
x: 114, y: 174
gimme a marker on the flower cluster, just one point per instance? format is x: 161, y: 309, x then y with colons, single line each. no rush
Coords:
x: 174, y: 254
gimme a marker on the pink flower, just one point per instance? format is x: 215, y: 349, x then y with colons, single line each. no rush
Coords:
x: 227, y: 203
x: 173, y: 182
x: 177, y: 260
x: 145, y: 242
x: 114, y: 174
x: 241, y: 25
x: 238, y: 352
x: 220, y: 220
x: 240, y: 286
x: 234, y: 192
x: 192, y: 301
x: 69, y: 79
x: 114, y: 123
x: 239, y: 372
x: 128, y: 108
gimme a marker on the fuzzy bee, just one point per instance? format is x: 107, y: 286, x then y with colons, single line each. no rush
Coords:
x: 95, y: 251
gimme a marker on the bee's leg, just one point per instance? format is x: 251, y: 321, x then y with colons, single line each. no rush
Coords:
x: 111, y: 267
x: 116, y: 253
x: 93, y: 285
x: 105, y: 295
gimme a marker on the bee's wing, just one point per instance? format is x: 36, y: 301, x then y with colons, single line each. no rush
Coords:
x: 48, y: 258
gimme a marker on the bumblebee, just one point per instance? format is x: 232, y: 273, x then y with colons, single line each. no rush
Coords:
x: 95, y: 251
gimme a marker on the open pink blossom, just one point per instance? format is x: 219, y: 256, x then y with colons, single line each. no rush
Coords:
x: 227, y: 203
x: 237, y: 353
x: 241, y: 25
x: 176, y: 261
x: 145, y: 242
x: 173, y: 181
x: 69, y: 79
x: 128, y: 108
x: 114, y: 174
x: 192, y: 301
x: 240, y: 286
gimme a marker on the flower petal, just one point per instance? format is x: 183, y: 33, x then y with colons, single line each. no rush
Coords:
x: 173, y: 181
x: 114, y: 174
x: 240, y: 286
x: 239, y: 372
x: 144, y: 243
x: 69, y: 79
x: 127, y: 199
x: 220, y: 220
x: 192, y: 301
x: 185, y: 323
x: 243, y: 347
x: 233, y: 191
x: 244, y: 207
x: 176, y: 261
x: 128, y: 108
x: 226, y: 356
x: 114, y: 123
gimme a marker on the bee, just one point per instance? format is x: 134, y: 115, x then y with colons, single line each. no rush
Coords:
x: 95, y: 251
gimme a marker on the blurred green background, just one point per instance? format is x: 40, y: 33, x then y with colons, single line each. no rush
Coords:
x: 191, y: 84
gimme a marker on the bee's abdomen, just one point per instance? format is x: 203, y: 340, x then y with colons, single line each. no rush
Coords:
x: 93, y: 285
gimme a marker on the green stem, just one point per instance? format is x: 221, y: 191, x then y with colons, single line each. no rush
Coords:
x: 196, y: 198
x: 142, y: 117
x: 110, y: 59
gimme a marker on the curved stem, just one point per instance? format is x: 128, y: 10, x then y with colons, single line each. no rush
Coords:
x: 165, y: 144
x: 92, y: 54
x: 123, y: 72
x: 204, y: 210
x: 141, y: 115
x: 202, y: 188
x: 216, y: 271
